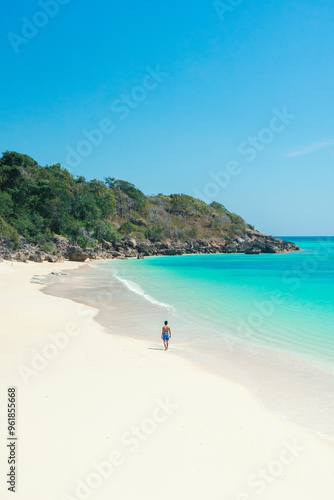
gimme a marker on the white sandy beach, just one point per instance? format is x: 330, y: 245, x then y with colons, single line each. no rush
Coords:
x: 108, y: 417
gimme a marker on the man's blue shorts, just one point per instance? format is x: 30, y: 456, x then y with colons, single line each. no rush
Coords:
x: 166, y: 336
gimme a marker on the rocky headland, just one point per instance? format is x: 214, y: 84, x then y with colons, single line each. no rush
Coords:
x: 129, y: 247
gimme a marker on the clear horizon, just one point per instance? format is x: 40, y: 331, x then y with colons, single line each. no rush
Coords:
x: 226, y: 101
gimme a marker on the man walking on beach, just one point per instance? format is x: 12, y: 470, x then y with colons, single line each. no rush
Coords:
x: 166, y: 334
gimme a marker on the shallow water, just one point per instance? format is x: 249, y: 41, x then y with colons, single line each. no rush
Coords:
x: 263, y: 320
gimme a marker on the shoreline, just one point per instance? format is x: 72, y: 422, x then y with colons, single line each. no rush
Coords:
x: 100, y: 387
x: 253, y: 243
x: 291, y: 377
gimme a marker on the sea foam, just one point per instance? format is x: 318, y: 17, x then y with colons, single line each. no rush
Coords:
x: 134, y: 287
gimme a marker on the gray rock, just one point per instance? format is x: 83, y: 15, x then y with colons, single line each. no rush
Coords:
x: 77, y: 254
x: 107, y: 245
x: 253, y: 251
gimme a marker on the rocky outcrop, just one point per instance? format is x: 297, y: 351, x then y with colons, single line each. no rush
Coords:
x: 253, y: 243
x: 77, y: 254
x: 26, y: 252
x: 261, y: 243
x: 61, y: 244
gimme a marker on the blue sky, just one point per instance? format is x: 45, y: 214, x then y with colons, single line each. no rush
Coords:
x: 174, y: 95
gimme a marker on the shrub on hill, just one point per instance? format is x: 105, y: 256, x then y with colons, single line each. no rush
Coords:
x: 37, y: 202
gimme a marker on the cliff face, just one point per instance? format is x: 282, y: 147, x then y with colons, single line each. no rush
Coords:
x: 253, y: 243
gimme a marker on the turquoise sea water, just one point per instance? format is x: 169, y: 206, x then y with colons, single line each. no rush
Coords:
x: 282, y: 301
x: 266, y: 321
x: 263, y: 320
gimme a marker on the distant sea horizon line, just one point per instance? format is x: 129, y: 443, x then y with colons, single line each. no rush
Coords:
x: 305, y: 236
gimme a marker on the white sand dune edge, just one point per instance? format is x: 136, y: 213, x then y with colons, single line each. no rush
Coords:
x: 109, y: 417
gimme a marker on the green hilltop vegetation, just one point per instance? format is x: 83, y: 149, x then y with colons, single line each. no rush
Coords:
x: 36, y: 202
